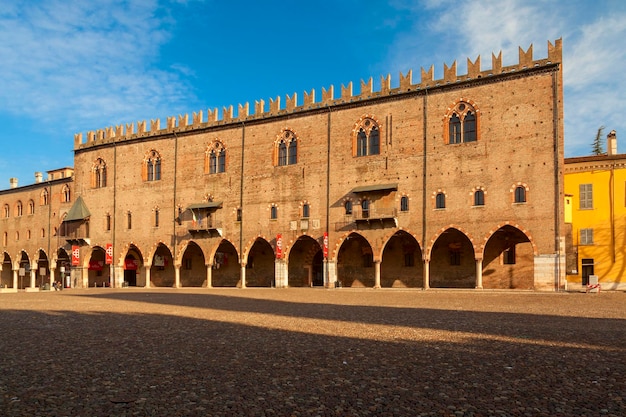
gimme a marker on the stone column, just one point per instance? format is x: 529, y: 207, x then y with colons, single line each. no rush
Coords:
x: 118, y: 276
x: 479, y: 274
x: 281, y: 272
x: 15, y: 271
x: 176, y: 276
x: 52, y: 276
x: 426, y: 274
x: 330, y: 274
x: 243, y: 275
x: 147, y: 276
x: 377, y: 274
x: 33, y: 277
x: 209, y: 276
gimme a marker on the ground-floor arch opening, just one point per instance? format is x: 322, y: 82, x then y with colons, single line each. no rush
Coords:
x: 225, y: 271
x: 23, y: 275
x: 306, y: 263
x: 6, y: 277
x: 452, y: 261
x: 402, y: 265
x: 64, y: 267
x: 508, y: 260
x: 42, y: 270
x: 193, y: 272
x: 355, y: 262
x: 260, y: 270
x: 98, y: 271
x: 132, y: 267
x: 162, y: 272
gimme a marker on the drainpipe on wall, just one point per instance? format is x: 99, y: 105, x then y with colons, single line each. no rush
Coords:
x: 241, y: 183
x: 557, y: 182
x: 326, y: 268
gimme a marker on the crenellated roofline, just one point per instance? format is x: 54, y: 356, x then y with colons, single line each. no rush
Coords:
x: 141, y: 129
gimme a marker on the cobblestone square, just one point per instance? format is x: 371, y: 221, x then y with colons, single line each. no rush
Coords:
x: 311, y: 352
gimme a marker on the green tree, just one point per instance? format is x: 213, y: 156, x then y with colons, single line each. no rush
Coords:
x: 597, y: 148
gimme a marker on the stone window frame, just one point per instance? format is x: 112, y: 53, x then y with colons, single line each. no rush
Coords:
x: 215, y: 157
x: 273, y: 212
x: 363, y: 143
x: 44, y: 197
x: 66, y: 194
x: 152, y: 166
x: 478, y: 196
x: 519, y: 193
x: 457, y: 126
x: 439, y: 199
x: 404, y: 204
x: 286, y: 148
x: 99, y: 173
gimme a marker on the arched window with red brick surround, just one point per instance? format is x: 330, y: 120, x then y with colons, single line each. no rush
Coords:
x: 366, y: 137
x: 286, y: 149
x: 461, y: 123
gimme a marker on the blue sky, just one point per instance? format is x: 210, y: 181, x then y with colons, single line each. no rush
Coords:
x: 75, y: 66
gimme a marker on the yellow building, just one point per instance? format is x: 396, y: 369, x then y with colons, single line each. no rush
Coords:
x: 595, y: 206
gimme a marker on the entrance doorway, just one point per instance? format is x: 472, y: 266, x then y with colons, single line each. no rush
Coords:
x: 587, y: 269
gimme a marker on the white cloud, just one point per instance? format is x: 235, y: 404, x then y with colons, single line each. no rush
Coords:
x: 593, y: 60
x: 85, y: 62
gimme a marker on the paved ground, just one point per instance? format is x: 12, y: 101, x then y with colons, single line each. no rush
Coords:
x: 311, y: 352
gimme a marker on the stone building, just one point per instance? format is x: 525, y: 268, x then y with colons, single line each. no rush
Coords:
x: 452, y: 182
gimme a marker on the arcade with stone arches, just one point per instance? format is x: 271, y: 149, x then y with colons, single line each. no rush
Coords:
x: 503, y: 259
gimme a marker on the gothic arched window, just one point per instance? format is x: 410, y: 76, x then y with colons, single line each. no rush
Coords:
x: 462, y: 123
x: 287, y: 148
x: 367, y: 137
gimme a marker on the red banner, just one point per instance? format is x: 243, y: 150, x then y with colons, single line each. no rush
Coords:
x: 131, y: 264
x: 279, y: 246
x: 109, y: 254
x: 325, y: 245
x: 96, y: 265
x: 75, y: 256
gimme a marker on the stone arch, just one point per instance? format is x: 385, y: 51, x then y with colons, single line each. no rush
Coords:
x: 508, y: 255
x: 452, y: 259
x: 305, y: 261
x: 132, y: 263
x: 6, y: 275
x: 355, y: 262
x: 162, y: 273
x: 98, y: 272
x: 225, y: 267
x: 259, y: 259
x: 428, y: 249
x: 62, y: 260
x: 42, y: 268
x: 193, y: 269
x: 22, y: 264
x: 401, y: 261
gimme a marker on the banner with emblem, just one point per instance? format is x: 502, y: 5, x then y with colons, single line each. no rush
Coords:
x: 279, y: 246
x: 109, y: 254
x: 325, y: 245
x: 75, y: 255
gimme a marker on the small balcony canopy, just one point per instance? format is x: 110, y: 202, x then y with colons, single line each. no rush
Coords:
x: 79, y: 211
x: 208, y: 205
x: 375, y: 187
